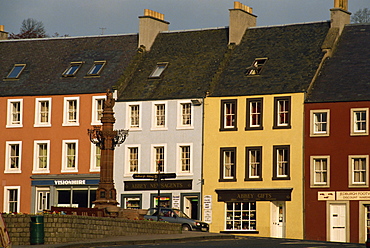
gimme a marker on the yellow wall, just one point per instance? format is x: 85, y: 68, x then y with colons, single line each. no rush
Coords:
x: 267, y: 138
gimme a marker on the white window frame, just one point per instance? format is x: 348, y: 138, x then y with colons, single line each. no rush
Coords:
x: 153, y: 157
x: 66, y: 120
x: 38, y: 122
x: 127, y: 171
x: 233, y: 218
x: 179, y: 158
x: 64, y: 156
x: 313, y: 183
x: 351, y: 183
x: 313, y: 132
x: 128, y: 111
x: 180, y: 124
x: 93, y: 166
x: 6, y: 198
x: 9, y: 123
x: 154, y: 116
x: 8, y: 157
x: 94, y: 110
x: 355, y: 132
x: 36, y: 146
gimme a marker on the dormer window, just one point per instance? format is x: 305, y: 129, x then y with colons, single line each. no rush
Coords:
x: 96, y: 68
x: 158, y: 70
x: 16, y: 71
x: 256, y: 67
x: 72, y: 69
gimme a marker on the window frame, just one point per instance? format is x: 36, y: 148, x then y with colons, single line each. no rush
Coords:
x: 180, y: 158
x: 231, y: 214
x: 180, y: 115
x: 248, y: 176
x: 223, y: 178
x: 256, y: 68
x: 67, y: 71
x: 158, y: 70
x: 8, y: 157
x: 93, y: 158
x: 353, y: 132
x: 249, y: 125
x: 36, y: 150
x: 94, y: 110
x: 9, y: 122
x: 313, y: 182
x: 154, y: 157
x: 66, y: 121
x: 277, y: 124
x: 65, y: 154
x: 18, y: 74
x: 351, y: 183
x: 223, y: 117
x: 313, y: 132
x: 155, y: 116
x: 129, y: 115
x: 6, y: 204
x: 128, y: 148
x: 275, y: 174
x: 102, y: 63
x: 38, y: 113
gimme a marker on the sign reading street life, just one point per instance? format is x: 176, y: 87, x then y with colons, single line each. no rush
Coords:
x: 154, y: 176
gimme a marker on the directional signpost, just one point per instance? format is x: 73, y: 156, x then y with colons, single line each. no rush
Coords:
x: 156, y: 176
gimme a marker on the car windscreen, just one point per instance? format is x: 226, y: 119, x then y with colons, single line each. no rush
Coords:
x: 181, y: 214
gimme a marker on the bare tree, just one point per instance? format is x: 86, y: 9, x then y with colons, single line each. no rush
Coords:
x: 361, y: 16
x: 30, y: 28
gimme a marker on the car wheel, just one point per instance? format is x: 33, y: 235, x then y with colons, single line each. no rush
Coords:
x: 186, y: 227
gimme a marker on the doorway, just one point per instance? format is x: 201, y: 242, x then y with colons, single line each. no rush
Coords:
x: 337, y: 219
x: 278, y: 221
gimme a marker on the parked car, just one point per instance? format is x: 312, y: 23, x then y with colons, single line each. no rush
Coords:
x: 172, y: 215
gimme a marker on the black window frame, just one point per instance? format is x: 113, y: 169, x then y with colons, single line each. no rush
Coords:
x: 247, y: 167
x: 222, y: 118
x: 276, y: 107
x: 233, y: 169
x: 275, y: 166
x: 248, y: 120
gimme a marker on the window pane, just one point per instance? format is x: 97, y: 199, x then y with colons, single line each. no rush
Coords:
x: 72, y: 111
x: 241, y: 216
x: 160, y: 115
x: 229, y: 164
x: 71, y: 155
x: 15, y: 113
x: 185, y: 158
x: 14, y: 156
x: 42, y: 156
x: 134, y: 159
x: 134, y: 116
x: 16, y: 71
x: 44, y: 111
x: 159, y: 158
x: 186, y: 114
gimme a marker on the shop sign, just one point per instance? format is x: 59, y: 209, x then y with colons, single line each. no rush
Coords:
x: 207, y: 202
x: 153, y: 185
x: 353, y: 195
x: 254, y: 195
x: 65, y: 182
x: 69, y: 182
x: 208, y: 216
x: 326, y: 196
x: 176, y: 201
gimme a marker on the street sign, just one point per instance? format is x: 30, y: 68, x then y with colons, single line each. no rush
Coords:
x: 154, y: 176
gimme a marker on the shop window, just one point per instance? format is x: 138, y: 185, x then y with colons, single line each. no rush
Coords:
x: 15, y: 113
x: 76, y: 197
x: 241, y: 216
x: 228, y: 164
x: 131, y: 201
x: 228, y: 115
x: 254, y: 114
x: 282, y: 112
x: 281, y: 160
x: 254, y: 164
x: 164, y: 201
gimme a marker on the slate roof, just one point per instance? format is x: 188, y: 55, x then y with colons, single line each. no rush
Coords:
x: 346, y: 75
x: 193, y: 58
x: 293, y: 52
x: 47, y: 59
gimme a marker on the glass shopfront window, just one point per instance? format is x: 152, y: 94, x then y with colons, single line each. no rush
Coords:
x: 241, y: 216
x: 76, y: 197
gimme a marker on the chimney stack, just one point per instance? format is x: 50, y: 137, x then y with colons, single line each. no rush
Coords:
x: 340, y: 15
x: 3, y: 34
x: 241, y: 18
x: 149, y: 26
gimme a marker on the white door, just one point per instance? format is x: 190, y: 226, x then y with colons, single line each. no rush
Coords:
x: 338, y: 222
x: 278, y: 219
x: 43, y: 200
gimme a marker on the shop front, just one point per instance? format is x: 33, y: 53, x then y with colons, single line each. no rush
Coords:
x: 251, y: 211
x: 63, y: 191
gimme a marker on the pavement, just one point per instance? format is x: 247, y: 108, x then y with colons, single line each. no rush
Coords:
x: 138, y: 240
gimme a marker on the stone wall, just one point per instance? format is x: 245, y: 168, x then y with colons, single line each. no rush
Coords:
x: 70, y: 228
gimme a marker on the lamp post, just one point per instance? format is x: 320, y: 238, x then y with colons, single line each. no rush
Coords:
x: 107, y: 139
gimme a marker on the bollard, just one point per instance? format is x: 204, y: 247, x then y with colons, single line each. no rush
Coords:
x: 37, y: 230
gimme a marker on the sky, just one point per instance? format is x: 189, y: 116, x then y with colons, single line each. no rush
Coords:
x: 96, y: 17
